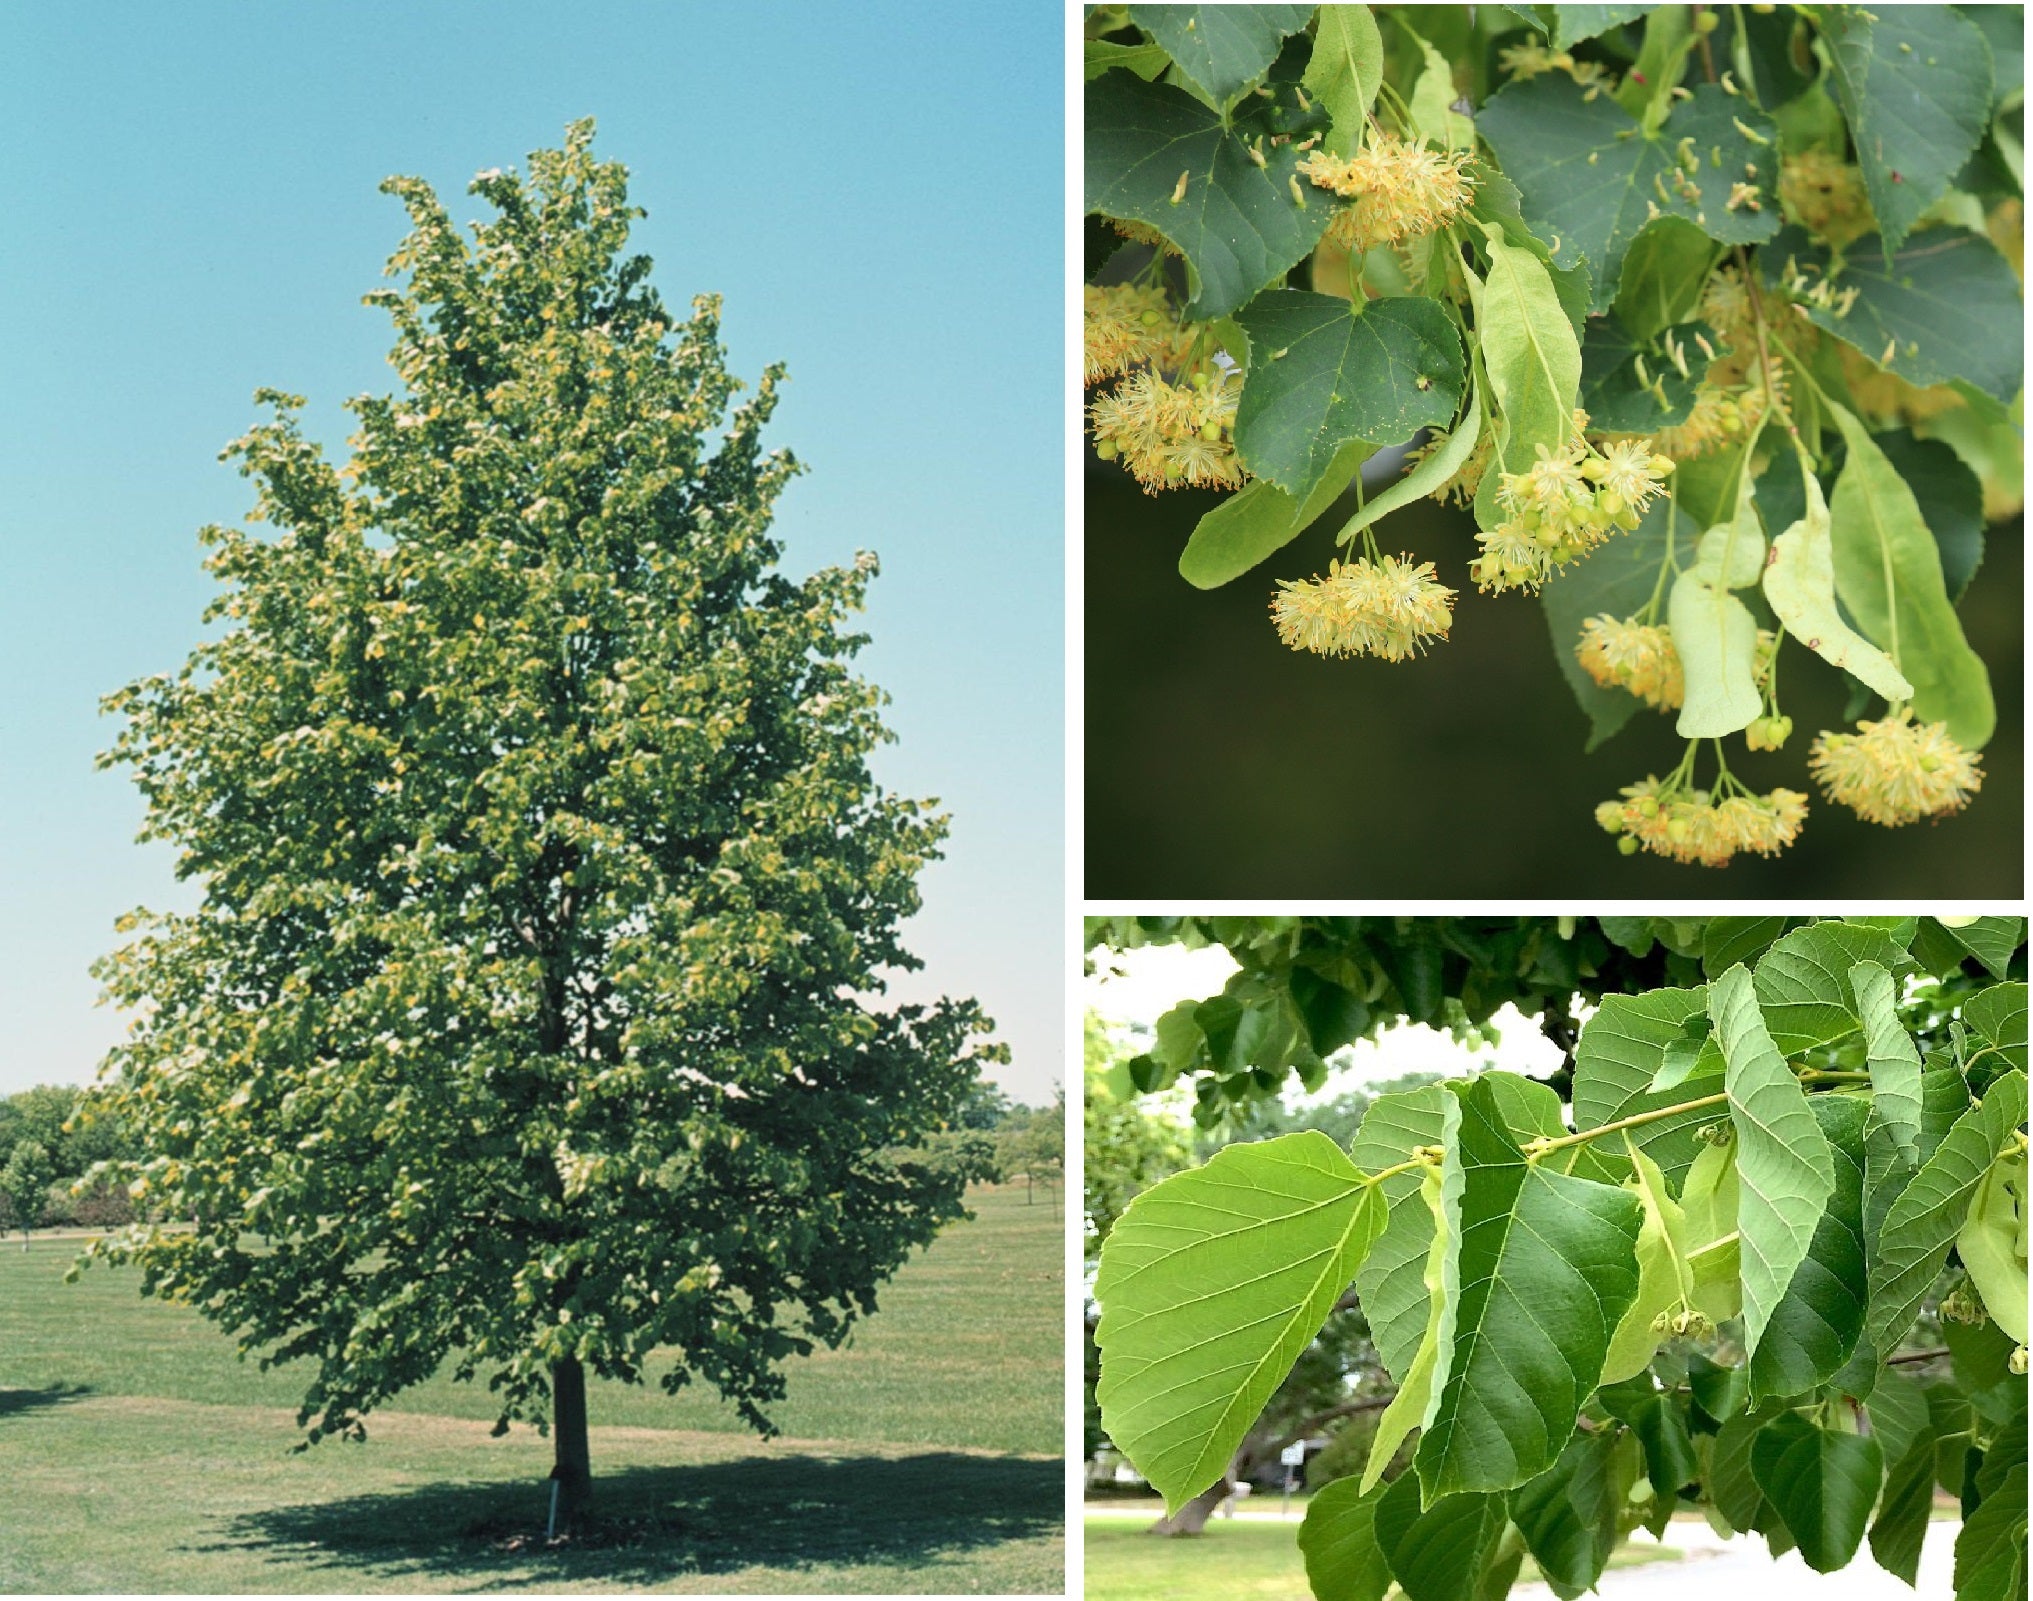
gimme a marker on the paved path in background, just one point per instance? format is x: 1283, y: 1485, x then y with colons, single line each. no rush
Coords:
x: 1714, y: 1569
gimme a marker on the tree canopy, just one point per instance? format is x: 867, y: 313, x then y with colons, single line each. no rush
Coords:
x: 530, y: 1019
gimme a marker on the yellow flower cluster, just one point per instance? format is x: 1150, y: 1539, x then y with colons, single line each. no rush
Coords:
x: 1171, y: 435
x: 1388, y: 607
x: 1879, y: 393
x: 1726, y: 304
x: 1564, y: 505
x: 1529, y: 60
x: 1400, y: 190
x: 1826, y: 196
x: 1124, y: 326
x: 1686, y: 826
x: 1638, y: 657
x: 1895, y: 770
x: 1142, y: 233
x: 1729, y: 403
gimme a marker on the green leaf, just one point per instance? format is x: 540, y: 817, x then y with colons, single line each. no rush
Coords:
x: 1210, y: 1285
x: 1714, y: 632
x: 1432, y: 471
x: 1546, y: 1267
x: 1893, y: 1062
x: 1784, y: 1165
x: 2003, y: 31
x: 1900, y: 1091
x: 1239, y: 226
x: 1814, y: 1327
x: 1529, y: 352
x: 1345, y: 69
x: 1950, y: 498
x: 1664, y: 272
x: 1997, y: 1017
x: 1248, y: 527
x: 1800, y: 585
x: 1900, y: 1528
x: 1888, y: 573
x: 1991, y: 940
x: 1568, y: 1514
x: 1923, y: 1221
x: 1660, y: 1423
x: 1769, y: 42
x: 1338, y: 1540
x: 1726, y: 941
x: 1222, y: 50
x: 1822, y: 1482
x: 1618, y: 369
x: 1436, y: 1554
x: 1323, y: 373
x: 1619, y: 1053
x: 1914, y: 83
x: 1572, y: 24
x: 1731, y: 1486
x: 1617, y: 581
x: 1946, y: 306
x: 1391, y: 1282
x: 1544, y: 131
x: 1990, y: 1552
x: 1147, y: 61
x: 1803, y: 982
x: 1719, y: 1391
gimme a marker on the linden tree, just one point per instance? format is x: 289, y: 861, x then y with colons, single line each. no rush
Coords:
x: 1711, y: 315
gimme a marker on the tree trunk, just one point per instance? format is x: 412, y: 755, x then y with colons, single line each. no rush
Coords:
x: 574, y: 1467
x: 1192, y: 1517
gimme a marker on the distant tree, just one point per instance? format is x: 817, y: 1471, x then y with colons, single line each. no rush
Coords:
x: 986, y: 1107
x: 39, y: 1114
x: 1034, y: 1144
x: 25, y: 1181
x: 523, y: 1020
x: 1128, y: 1146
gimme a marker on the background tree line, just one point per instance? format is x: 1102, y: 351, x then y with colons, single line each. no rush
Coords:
x: 50, y: 1140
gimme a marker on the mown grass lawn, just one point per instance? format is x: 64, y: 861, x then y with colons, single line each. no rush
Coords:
x: 1236, y: 1557
x: 141, y: 1455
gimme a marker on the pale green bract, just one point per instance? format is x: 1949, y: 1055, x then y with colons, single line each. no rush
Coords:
x: 1800, y: 584
x: 1664, y: 1281
x: 1211, y: 1285
x: 1714, y: 632
x: 1530, y: 353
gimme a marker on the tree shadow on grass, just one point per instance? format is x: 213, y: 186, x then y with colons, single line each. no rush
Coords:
x: 15, y: 1402
x: 660, y: 1523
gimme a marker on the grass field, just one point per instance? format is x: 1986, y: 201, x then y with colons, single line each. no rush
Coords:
x: 141, y: 1455
x: 1256, y: 1559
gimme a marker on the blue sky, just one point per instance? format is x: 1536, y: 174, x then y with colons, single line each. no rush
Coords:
x: 191, y: 212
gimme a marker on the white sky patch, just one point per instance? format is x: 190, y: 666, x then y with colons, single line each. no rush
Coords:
x: 1139, y: 986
